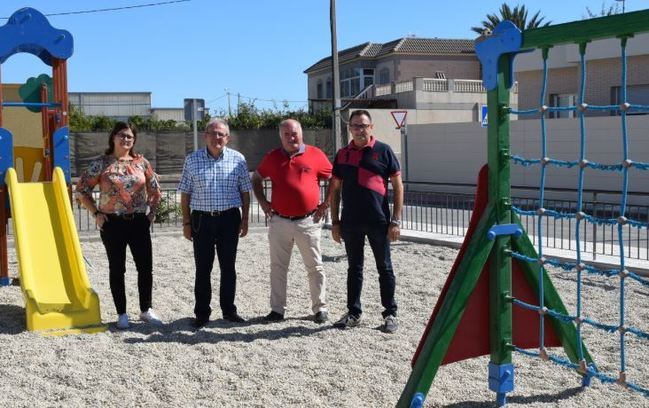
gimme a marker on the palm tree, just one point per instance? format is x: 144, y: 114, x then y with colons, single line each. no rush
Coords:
x: 606, y: 10
x: 517, y: 15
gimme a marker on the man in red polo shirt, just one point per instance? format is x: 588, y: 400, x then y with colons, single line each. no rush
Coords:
x: 295, y: 215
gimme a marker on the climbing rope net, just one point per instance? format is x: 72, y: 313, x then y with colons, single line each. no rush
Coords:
x: 620, y: 219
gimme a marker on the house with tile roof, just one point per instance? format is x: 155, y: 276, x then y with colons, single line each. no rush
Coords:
x: 440, y: 78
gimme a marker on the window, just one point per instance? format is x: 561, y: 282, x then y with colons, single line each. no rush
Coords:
x: 635, y: 94
x: 329, y: 88
x: 368, y: 78
x: 355, y: 84
x: 345, y: 88
x: 557, y: 100
x: 319, y: 89
x: 353, y: 81
x: 384, y: 76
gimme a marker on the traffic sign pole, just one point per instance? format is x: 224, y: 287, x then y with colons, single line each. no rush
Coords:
x: 400, y: 119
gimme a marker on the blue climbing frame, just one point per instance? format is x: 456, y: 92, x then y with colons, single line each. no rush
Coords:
x: 499, y: 51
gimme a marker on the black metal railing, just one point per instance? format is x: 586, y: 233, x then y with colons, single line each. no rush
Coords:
x: 449, y: 214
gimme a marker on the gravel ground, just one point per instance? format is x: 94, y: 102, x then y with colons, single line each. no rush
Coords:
x: 295, y: 362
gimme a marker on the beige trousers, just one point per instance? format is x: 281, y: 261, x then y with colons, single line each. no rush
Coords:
x: 306, y: 235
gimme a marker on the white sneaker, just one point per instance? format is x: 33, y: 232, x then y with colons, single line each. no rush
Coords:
x: 150, y: 317
x: 122, y: 321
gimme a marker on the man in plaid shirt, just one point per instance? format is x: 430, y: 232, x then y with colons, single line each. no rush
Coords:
x: 215, y: 200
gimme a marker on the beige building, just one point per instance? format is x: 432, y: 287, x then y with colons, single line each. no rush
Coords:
x: 603, y: 75
x: 439, y: 78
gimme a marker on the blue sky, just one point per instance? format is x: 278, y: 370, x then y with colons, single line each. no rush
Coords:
x: 258, y: 48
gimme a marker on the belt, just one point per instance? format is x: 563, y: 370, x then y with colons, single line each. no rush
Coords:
x: 215, y: 213
x: 296, y: 217
x: 125, y: 217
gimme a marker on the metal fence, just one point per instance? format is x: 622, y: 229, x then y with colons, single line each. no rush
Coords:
x: 450, y: 213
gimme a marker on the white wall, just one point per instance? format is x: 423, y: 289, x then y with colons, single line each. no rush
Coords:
x: 454, y: 152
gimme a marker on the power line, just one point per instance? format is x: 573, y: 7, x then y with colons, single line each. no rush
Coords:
x: 252, y: 98
x: 67, y: 13
x: 216, y: 99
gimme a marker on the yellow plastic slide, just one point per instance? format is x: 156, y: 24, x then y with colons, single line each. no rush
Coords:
x: 58, y: 296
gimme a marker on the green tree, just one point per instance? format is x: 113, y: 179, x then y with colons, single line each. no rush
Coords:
x: 517, y: 15
x: 248, y: 116
x: 167, y: 210
x: 78, y: 121
x: 102, y: 123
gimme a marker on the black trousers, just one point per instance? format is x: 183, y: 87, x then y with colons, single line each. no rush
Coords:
x: 354, y: 238
x: 117, y: 233
x: 220, y: 231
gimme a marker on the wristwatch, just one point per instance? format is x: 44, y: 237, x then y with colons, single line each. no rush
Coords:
x: 396, y: 221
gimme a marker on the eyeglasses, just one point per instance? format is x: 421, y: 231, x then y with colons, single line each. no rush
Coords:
x: 125, y: 136
x: 363, y: 126
x: 217, y: 134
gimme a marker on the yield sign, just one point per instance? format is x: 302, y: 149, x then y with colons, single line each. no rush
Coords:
x: 399, y: 117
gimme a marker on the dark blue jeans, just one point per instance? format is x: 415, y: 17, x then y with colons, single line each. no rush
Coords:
x: 354, y: 238
x: 117, y: 233
x: 221, y: 232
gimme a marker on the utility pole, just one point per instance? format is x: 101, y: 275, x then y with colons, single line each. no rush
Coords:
x: 338, y: 142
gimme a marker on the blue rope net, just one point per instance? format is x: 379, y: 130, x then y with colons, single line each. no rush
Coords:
x: 580, y: 267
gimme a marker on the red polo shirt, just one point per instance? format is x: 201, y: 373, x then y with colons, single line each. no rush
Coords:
x: 296, y: 190
x: 365, y: 173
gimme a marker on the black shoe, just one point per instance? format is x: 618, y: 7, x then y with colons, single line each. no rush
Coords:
x: 321, y: 317
x: 274, y: 317
x: 200, y: 321
x: 348, y: 321
x: 234, y: 318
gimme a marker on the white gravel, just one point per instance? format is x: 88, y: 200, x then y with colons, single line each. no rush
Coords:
x: 295, y: 362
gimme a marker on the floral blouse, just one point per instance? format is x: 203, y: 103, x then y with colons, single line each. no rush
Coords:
x: 125, y: 185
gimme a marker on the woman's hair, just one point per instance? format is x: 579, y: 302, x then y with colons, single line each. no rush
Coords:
x: 119, y: 126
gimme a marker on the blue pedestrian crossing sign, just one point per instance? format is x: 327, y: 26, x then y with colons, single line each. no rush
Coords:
x: 483, y: 116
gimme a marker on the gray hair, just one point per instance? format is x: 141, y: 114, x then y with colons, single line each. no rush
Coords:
x: 285, y: 123
x: 220, y: 121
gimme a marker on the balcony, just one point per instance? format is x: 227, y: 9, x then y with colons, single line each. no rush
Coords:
x: 472, y: 86
x: 423, y: 94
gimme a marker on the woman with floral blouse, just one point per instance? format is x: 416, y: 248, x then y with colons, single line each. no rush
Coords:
x: 128, y: 187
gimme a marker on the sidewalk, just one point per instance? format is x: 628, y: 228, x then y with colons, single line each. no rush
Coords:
x: 601, y: 261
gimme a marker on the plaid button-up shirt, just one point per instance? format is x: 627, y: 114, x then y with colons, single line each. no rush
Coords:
x: 215, y: 184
